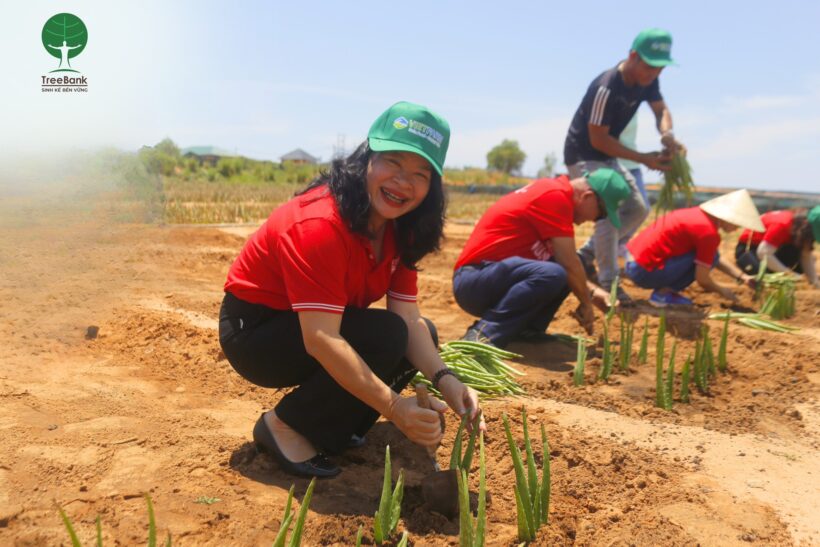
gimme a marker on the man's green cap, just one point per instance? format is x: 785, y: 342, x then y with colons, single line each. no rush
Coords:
x: 612, y: 188
x: 814, y: 219
x: 654, y: 46
x: 408, y: 127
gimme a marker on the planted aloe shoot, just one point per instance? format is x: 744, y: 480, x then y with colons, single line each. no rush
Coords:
x: 724, y: 335
x: 531, y: 496
x: 644, y: 343
x: 152, y: 528
x: 480, y: 366
x: 659, y: 384
x: 472, y: 532
x: 457, y: 461
x: 677, y: 180
x: 580, y: 361
x: 606, y: 357
x: 387, y: 517
x: 627, y: 332
x: 684, y: 380
x: 779, y: 290
x: 708, y: 354
x: 669, y: 387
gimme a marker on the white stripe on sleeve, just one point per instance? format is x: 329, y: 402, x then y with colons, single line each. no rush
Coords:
x: 598, y: 106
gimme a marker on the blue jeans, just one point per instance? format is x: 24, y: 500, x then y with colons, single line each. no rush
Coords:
x: 510, y: 295
x: 603, y: 244
x: 677, y: 273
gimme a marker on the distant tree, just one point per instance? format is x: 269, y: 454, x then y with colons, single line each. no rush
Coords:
x: 549, y: 166
x: 167, y: 146
x: 506, y: 157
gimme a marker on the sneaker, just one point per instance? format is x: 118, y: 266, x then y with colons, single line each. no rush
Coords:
x: 589, y: 267
x: 661, y: 300
x: 475, y: 335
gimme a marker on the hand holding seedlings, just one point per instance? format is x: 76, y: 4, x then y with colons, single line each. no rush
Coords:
x: 462, y: 399
x: 585, y: 317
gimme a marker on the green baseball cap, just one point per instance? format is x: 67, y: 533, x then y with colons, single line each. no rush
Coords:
x: 654, y: 46
x: 612, y: 188
x: 408, y: 127
x: 814, y: 219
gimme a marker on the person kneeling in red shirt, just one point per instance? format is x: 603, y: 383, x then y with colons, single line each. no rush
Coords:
x: 519, y: 264
x: 786, y: 245
x: 295, y: 311
x: 682, y: 247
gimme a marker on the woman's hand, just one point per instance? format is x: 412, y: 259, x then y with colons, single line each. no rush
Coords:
x: 728, y: 294
x: 461, y: 399
x: 420, y: 425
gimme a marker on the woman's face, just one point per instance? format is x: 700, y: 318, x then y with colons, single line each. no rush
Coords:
x: 397, y: 183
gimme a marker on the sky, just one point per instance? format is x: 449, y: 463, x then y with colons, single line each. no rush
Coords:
x: 261, y: 78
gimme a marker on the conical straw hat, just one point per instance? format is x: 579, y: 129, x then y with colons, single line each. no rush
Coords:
x: 736, y: 207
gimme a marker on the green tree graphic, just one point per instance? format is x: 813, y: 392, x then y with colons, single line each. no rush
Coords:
x: 64, y: 37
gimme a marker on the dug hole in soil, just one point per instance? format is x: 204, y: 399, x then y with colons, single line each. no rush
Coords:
x: 150, y: 405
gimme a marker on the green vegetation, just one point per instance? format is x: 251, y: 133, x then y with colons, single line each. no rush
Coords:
x: 152, y: 528
x: 532, y: 498
x: 480, y: 366
x: 580, y: 362
x: 506, y: 157
x: 387, y: 517
x: 778, y: 289
x: 456, y: 459
x: 678, y: 179
x: 299, y: 527
x: 755, y: 321
x: 471, y: 532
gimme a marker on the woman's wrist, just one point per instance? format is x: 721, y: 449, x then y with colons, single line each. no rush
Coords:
x: 439, y: 376
x: 388, y: 412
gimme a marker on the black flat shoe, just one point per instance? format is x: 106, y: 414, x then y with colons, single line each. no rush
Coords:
x: 317, y: 466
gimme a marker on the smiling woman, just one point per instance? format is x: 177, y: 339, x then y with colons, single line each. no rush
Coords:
x: 296, y: 309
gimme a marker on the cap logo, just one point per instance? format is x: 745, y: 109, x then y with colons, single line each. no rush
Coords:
x: 661, y: 46
x: 400, y: 122
x: 426, y: 132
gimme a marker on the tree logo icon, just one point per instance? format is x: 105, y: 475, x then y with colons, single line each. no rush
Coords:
x: 64, y: 37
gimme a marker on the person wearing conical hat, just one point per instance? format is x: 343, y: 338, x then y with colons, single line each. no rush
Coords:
x: 681, y: 247
x: 786, y: 245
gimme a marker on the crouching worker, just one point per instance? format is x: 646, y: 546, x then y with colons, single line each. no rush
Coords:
x: 296, y: 314
x: 682, y: 247
x: 519, y: 264
x: 786, y: 245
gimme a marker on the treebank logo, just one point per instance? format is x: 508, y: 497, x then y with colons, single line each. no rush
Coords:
x: 400, y: 122
x: 64, y: 37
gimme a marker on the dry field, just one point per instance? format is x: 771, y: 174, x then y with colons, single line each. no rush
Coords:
x: 151, y: 405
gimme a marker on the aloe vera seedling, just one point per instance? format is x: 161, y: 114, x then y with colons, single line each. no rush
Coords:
x: 627, y: 332
x: 606, y: 357
x: 580, y: 361
x: 387, y: 517
x: 659, y: 384
x: 684, y: 380
x: 669, y: 387
x: 531, y: 496
x: 457, y: 461
x: 281, y: 539
x: 472, y: 533
x: 644, y: 343
x: 152, y: 528
x: 724, y: 335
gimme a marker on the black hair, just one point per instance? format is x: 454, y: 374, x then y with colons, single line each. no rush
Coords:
x: 802, y: 236
x: 418, y: 232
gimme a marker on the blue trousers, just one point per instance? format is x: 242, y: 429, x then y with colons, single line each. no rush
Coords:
x: 511, y: 295
x: 677, y: 273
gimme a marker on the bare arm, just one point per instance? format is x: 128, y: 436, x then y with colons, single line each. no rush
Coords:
x: 601, y: 140
x: 807, y: 261
x: 320, y: 332
x: 424, y: 356
x: 765, y: 251
x: 703, y: 276
x: 564, y: 250
x: 663, y: 121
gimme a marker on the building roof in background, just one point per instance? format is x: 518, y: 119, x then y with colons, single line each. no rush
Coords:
x: 206, y: 151
x: 299, y: 155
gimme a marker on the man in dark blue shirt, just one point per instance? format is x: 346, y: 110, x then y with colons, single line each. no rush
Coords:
x: 592, y: 141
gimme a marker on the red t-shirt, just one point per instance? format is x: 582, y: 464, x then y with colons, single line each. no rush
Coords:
x: 778, y: 232
x: 674, y: 234
x: 522, y: 223
x: 305, y: 258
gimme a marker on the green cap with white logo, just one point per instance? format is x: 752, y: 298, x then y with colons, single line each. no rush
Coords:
x: 612, y: 188
x: 408, y: 127
x: 814, y: 219
x: 654, y: 46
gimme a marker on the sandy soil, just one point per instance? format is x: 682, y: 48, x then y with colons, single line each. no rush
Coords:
x: 151, y: 405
